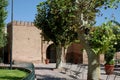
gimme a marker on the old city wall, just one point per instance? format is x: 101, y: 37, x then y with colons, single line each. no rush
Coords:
x: 26, y: 42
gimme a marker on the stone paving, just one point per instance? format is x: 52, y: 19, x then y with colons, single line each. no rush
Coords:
x: 48, y: 72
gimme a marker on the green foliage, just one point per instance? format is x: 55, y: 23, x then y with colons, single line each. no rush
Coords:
x: 3, y: 14
x: 109, y: 56
x: 116, y: 31
x: 101, y: 38
x: 88, y: 8
x: 117, y: 44
x: 55, y: 18
x: 59, y: 20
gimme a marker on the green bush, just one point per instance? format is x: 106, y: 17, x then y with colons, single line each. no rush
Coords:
x: 109, y: 56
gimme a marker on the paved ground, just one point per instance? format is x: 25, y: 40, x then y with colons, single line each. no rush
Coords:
x: 48, y: 72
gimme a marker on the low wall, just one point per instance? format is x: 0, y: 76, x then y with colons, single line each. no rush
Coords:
x: 28, y: 67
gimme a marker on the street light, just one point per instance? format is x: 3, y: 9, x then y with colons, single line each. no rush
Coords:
x: 11, y: 34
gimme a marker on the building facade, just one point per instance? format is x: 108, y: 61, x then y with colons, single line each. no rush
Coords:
x: 28, y: 45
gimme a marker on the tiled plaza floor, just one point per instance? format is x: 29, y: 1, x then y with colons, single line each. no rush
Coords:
x: 48, y: 72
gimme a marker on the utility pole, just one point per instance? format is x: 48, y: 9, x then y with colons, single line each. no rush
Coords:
x: 11, y: 34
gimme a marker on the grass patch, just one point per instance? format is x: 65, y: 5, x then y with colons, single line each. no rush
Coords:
x: 15, y: 74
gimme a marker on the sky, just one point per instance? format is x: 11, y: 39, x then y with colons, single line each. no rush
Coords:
x: 25, y: 10
x: 108, y: 13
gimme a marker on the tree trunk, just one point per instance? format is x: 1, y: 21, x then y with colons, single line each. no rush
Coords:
x: 93, y: 60
x: 64, y: 51
x: 59, y: 56
x: 93, y: 66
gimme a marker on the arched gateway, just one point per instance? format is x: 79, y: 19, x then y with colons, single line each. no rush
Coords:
x: 51, y: 53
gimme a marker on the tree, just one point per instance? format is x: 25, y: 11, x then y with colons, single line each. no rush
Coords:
x: 3, y: 14
x: 91, y: 7
x: 116, y: 31
x: 100, y: 40
x: 79, y: 16
x: 53, y: 18
x: 86, y: 14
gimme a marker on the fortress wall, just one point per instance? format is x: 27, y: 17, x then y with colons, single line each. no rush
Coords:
x: 23, y: 23
x: 26, y: 42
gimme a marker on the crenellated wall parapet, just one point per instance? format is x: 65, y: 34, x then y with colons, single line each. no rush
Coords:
x: 22, y: 23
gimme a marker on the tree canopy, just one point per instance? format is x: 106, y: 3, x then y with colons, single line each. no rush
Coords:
x: 60, y: 20
x: 55, y: 18
x: 102, y: 38
x: 116, y: 31
x: 3, y: 15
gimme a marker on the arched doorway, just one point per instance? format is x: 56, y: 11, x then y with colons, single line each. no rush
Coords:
x: 51, y: 53
x: 74, y: 53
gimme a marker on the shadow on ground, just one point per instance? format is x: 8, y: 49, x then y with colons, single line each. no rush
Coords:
x: 44, y: 68
x: 48, y: 77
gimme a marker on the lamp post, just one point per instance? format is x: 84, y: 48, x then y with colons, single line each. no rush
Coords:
x: 11, y: 34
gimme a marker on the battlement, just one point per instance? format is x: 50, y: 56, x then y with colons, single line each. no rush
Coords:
x: 22, y: 23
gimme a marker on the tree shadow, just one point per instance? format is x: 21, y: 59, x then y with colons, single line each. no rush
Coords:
x: 44, y: 68
x: 49, y: 77
x: 10, y: 78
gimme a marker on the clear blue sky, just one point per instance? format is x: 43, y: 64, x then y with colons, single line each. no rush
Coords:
x: 25, y: 10
x: 109, y: 13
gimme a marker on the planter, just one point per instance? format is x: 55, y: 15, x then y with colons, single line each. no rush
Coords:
x: 46, y: 61
x: 109, y: 69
